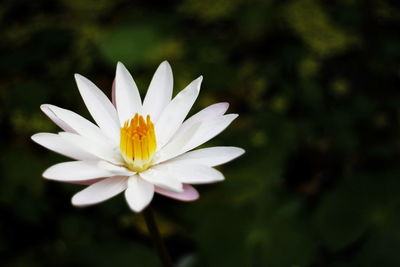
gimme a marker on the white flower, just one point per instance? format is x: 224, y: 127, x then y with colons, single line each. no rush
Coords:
x: 136, y: 147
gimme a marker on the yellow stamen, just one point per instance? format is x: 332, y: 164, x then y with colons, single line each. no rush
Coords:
x: 138, y: 142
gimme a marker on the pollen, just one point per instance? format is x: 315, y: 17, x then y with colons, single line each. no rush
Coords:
x: 138, y: 142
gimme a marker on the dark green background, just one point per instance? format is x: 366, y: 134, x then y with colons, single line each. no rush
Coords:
x: 316, y: 84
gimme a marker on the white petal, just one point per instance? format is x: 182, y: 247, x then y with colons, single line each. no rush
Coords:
x: 100, y: 191
x: 177, y: 144
x: 161, y: 179
x: 207, y: 130
x: 113, y: 101
x: 211, y: 156
x: 118, y: 170
x: 207, y: 113
x: 193, y: 173
x: 75, y: 171
x: 55, y: 119
x: 176, y: 111
x: 159, y: 93
x: 80, y: 125
x: 98, y: 149
x: 139, y: 193
x: 100, y: 107
x: 189, y: 193
x: 57, y: 144
x: 127, y: 95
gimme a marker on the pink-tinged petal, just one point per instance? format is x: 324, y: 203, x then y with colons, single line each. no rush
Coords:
x: 49, y: 113
x: 85, y: 182
x: 189, y: 193
x: 100, y: 191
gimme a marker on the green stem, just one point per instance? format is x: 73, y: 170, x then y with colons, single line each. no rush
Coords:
x: 155, y: 235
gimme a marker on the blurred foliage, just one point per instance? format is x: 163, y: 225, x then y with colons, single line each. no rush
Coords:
x: 315, y: 83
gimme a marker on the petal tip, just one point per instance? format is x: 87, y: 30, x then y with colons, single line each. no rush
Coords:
x: 44, y: 106
x: 80, y: 80
x: 77, y: 76
x: 74, y: 201
x: 196, y: 196
x: 35, y: 137
x: 241, y: 151
x: 136, y: 208
x: 234, y: 115
x: 48, y: 107
x: 225, y: 104
x: 50, y: 172
x: 165, y: 63
x: 122, y: 73
x: 198, y: 82
x: 120, y: 66
x: 46, y: 175
x: 167, y: 69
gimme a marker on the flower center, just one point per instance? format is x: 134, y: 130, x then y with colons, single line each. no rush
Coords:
x: 138, y: 142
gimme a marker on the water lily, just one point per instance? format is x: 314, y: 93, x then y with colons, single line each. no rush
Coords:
x: 137, y: 147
